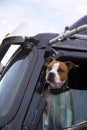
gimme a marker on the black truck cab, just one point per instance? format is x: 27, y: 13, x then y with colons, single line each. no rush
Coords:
x: 23, y: 79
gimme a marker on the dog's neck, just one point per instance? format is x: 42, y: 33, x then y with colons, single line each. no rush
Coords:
x: 56, y: 91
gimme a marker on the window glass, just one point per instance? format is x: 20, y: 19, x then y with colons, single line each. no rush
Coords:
x: 79, y: 105
x: 10, y: 83
x: 59, y: 115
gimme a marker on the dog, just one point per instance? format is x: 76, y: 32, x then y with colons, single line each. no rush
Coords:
x: 58, y: 94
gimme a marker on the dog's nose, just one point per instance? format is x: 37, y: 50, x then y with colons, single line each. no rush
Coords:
x: 51, y: 74
x: 51, y: 77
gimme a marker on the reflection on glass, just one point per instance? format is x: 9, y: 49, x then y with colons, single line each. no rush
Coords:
x: 67, y: 110
x: 10, y: 83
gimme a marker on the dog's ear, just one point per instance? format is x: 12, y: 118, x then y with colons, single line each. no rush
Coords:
x: 49, y: 59
x: 70, y: 65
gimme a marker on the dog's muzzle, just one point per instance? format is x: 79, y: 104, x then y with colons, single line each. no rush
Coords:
x: 50, y: 77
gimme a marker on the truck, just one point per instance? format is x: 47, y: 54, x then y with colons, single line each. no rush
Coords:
x: 22, y: 78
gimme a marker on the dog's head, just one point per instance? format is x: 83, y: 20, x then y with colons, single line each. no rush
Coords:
x: 57, y: 72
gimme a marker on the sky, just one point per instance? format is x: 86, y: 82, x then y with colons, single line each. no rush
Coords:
x: 41, y: 15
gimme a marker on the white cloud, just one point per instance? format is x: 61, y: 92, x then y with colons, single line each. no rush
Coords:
x: 44, y: 15
x: 82, y: 9
x: 3, y: 21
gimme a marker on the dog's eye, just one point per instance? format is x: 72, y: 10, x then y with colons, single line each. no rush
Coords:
x: 49, y: 68
x: 60, y: 70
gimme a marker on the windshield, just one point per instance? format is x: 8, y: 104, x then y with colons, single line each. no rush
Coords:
x: 10, y: 83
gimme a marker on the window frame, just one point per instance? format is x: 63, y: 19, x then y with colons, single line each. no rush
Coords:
x: 22, y: 88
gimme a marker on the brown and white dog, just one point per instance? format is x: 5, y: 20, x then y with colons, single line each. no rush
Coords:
x: 57, y: 72
x: 56, y: 77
